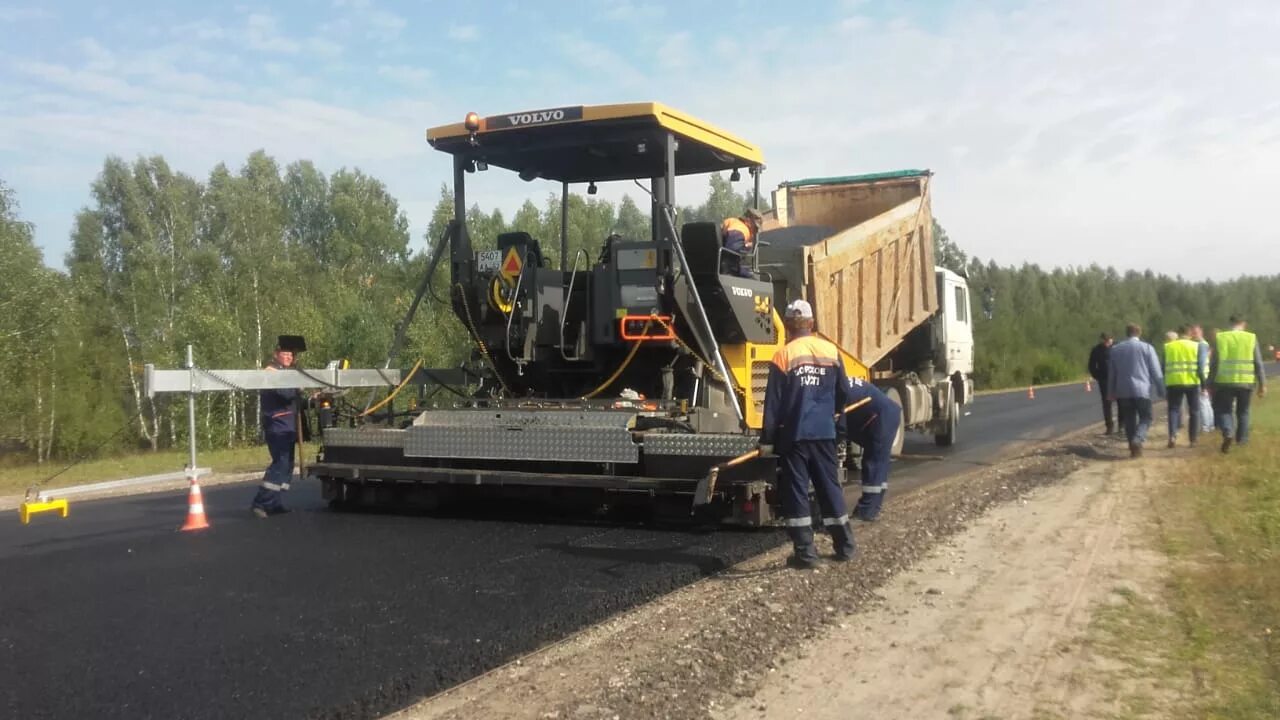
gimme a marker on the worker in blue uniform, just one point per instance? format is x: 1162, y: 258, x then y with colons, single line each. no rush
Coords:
x: 874, y: 427
x: 280, y: 430
x: 807, y: 390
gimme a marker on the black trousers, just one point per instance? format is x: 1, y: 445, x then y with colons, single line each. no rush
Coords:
x: 1106, y: 404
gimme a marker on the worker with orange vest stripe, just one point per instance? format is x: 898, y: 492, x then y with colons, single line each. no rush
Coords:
x: 280, y: 430
x: 807, y: 390
x: 739, y: 238
x: 874, y: 427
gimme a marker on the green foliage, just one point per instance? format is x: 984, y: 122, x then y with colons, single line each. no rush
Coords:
x: 1044, y: 323
x: 160, y: 259
x: 946, y: 253
x: 723, y: 201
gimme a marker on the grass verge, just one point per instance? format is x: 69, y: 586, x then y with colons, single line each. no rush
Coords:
x: 1218, y: 632
x: 16, y: 479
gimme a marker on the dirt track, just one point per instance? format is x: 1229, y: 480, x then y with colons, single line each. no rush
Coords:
x: 996, y: 621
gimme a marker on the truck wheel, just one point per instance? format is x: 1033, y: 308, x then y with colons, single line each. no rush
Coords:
x: 948, y: 437
x: 901, y: 435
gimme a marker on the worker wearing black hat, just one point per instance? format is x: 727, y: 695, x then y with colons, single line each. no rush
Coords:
x: 280, y: 430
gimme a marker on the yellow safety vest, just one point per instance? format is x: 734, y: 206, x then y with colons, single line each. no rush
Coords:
x: 1236, y: 349
x: 1181, y: 363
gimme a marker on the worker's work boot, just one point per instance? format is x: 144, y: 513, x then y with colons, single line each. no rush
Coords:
x: 1226, y: 444
x: 805, y: 556
x: 1172, y: 442
x: 842, y: 541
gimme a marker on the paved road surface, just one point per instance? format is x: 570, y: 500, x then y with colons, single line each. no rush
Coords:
x: 111, y: 614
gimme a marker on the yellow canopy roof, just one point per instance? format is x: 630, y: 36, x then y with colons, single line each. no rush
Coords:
x: 596, y: 142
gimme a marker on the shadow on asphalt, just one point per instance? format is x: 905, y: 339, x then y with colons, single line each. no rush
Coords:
x: 676, y: 519
x: 622, y: 557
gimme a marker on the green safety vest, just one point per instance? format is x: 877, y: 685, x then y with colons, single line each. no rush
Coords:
x: 1181, y: 363
x: 1236, y: 349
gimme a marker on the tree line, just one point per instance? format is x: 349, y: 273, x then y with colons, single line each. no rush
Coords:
x: 159, y: 259
x: 1034, y: 325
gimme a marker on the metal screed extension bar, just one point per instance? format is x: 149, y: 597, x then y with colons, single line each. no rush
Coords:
x: 194, y: 380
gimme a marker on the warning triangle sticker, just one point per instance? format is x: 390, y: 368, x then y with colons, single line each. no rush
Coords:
x: 511, y: 265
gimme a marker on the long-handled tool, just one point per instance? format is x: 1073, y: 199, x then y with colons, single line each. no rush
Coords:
x: 707, y: 485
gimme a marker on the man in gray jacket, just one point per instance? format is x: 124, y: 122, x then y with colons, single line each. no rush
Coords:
x: 1134, y: 371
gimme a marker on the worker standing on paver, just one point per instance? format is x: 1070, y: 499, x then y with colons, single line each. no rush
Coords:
x: 280, y: 430
x: 738, y: 236
x: 807, y: 390
x: 1236, y: 368
x: 1134, y: 371
x: 874, y: 427
x: 1184, y: 375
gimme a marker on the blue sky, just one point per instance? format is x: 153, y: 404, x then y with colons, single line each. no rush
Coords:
x: 1139, y: 134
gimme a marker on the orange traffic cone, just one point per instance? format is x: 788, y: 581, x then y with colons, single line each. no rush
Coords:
x: 1088, y: 386
x: 195, y: 509
x: 1031, y: 392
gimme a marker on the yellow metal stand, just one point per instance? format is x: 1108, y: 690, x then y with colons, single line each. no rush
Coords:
x: 27, y: 509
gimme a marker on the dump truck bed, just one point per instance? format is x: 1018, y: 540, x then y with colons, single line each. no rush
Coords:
x: 860, y: 249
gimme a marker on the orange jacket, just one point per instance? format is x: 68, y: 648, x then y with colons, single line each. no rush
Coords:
x: 732, y: 225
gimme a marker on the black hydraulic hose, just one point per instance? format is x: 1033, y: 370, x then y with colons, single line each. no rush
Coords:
x: 423, y: 288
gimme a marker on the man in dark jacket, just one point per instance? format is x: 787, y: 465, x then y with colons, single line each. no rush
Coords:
x: 1098, y: 363
x: 807, y: 390
x: 280, y: 429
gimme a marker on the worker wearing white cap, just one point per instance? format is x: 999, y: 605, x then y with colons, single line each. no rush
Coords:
x: 807, y: 389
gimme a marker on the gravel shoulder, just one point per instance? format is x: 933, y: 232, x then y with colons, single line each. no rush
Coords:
x: 729, y: 646
x: 997, y: 621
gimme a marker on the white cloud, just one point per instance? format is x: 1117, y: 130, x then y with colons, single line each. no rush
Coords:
x: 406, y: 74
x: 1124, y: 133
x: 464, y: 33
x: 100, y: 58
x: 324, y: 47
x: 1061, y: 134
x: 626, y: 11
x: 261, y: 34
x: 82, y: 81
x: 386, y: 25
x: 676, y: 51
x: 13, y: 14
x: 599, y: 60
x: 203, y: 30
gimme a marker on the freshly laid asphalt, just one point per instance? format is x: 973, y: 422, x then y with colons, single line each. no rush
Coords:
x: 110, y: 613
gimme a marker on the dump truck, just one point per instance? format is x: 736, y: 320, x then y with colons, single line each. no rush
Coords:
x: 860, y: 249
x: 620, y: 377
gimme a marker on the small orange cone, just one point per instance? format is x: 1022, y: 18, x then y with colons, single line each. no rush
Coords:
x: 1031, y: 392
x: 1088, y: 386
x: 195, y: 509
